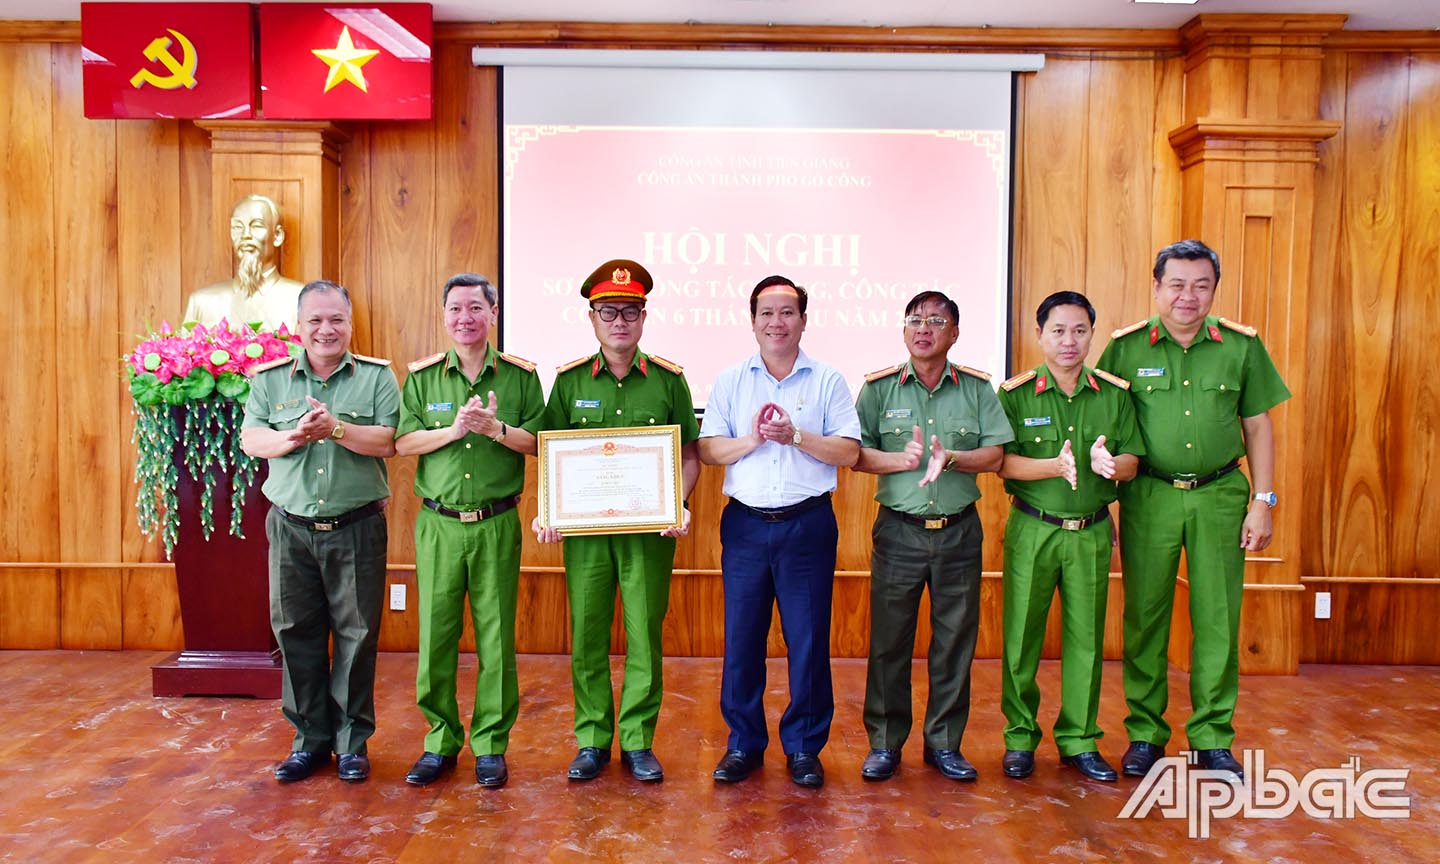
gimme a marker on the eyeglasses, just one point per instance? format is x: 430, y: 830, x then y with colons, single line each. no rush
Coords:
x: 915, y: 322
x: 610, y: 313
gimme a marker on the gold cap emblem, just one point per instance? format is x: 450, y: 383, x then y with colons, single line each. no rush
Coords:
x: 621, y: 276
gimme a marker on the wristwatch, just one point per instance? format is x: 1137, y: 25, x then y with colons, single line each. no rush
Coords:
x: 798, y: 437
x: 1268, y: 497
x: 338, y: 432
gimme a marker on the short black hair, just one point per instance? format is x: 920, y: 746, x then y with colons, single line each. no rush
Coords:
x: 1186, y: 250
x: 934, y: 297
x: 471, y: 280
x: 322, y: 286
x: 770, y: 281
x: 1063, y: 298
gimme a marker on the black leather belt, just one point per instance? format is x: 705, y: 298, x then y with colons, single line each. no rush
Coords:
x: 782, y: 514
x: 933, y: 523
x: 1068, y: 523
x: 495, y: 509
x: 330, y: 523
x: 1188, y: 481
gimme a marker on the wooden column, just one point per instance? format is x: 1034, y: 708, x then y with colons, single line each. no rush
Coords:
x: 1247, y: 154
x: 296, y: 164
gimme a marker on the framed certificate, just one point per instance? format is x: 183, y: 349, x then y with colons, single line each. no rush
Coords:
x: 610, y: 481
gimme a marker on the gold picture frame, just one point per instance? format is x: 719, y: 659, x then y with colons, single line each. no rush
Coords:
x: 624, y: 480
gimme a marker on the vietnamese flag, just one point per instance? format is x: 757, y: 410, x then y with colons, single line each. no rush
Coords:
x: 151, y: 60
x: 321, y: 61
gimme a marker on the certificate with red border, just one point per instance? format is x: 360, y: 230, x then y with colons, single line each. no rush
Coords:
x: 610, y: 481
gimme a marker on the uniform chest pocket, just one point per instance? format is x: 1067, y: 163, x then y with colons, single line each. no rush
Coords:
x: 585, y: 412
x: 647, y: 414
x: 354, y: 411
x: 288, y: 415
x: 1039, y: 442
x: 895, y: 433
x: 1147, y: 384
x: 1222, y: 396
x: 958, y: 432
x: 508, y: 416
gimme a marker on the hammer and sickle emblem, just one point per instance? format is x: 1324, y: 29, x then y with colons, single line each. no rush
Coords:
x: 182, y: 72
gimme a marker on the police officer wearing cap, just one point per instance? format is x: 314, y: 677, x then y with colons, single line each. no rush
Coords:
x: 928, y: 427
x: 780, y: 422
x: 619, y: 386
x: 1203, y: 388
x: 470, y: 414
x: 1075, y: 437
x: 325, y: 420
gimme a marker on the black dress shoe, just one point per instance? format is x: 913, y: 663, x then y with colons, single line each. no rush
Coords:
x: 1092, y: 765
x: 354, y: 767
x: 951, y: 763
x: 1139, y: 757
x: 299, y: 765
x: 806, y: 770
x: 587, y: 763
x: 880, y: 765
x: 429, y: 768
x: 491, y: 771
x: 643, y: 765
x: 1018, y: 763
x: 736, y: 765
x: 1219, y: 760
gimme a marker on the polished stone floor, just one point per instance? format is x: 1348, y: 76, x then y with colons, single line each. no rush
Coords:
x: 92, y: 768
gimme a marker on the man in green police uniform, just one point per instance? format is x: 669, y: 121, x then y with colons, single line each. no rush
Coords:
x: 619, y: 386
x: 1203, y: 388
x: 470, y: 414
x: 1075, y: 436
x: 926, y: 534
x: 325, y: 420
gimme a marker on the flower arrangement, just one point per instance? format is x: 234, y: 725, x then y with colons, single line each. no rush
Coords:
x: 205, y: 370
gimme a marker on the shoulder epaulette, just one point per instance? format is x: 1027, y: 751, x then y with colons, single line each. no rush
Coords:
x: 365, y: 358
x: 884, y: 373
x: 1113, y: 379
x: 1138, y: 325
x: 426, y: 362
x: 572, y: 364
x: 975, y: 373
x: 667, y: 364
x: 1012, y: 383
x: 1238, y: 327
x: 518, y: 361
x: 273, y: 364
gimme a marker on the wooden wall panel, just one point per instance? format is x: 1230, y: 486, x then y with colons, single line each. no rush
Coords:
x: 1099, y: 189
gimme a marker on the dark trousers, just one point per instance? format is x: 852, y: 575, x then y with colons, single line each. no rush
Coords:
x: 790, y: 563
x: 905, y: 561
x: 326, y: 584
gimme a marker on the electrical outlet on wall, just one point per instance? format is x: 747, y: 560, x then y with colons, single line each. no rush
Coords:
x: 1322, y: 604
x: 397, y: 597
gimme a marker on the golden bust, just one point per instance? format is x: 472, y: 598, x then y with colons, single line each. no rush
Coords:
x: 257, y: 293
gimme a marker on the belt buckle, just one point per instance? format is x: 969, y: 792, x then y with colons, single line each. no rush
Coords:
x: 469, y: 515
x: 1072, y: 524
x: 323, y: 526
x: 1187, y: 485
x: 936, y: 524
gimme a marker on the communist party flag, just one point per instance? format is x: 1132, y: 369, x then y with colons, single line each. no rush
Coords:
x: 321, y: 61
x: 150, y: 60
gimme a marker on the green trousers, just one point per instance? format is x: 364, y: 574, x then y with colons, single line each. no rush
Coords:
x: 1039, y: 557
x: 905, y: 561
x: 327, y: 586
x: 1157, y: 521
x: 480, y: 559
x: 640, y: 564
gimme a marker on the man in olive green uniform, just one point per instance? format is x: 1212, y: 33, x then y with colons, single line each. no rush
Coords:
x: 1203, y: 388
x: 1075, y: 436
x: 470, y: 414
x: 325, y: 420
x: 619, y: 386
x: 926, y: 534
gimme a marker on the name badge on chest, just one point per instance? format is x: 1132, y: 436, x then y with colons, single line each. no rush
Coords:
x: 897, y: 413
x: 1150, y: 372
x: 587, y: 403
x: 1037, y: 421
x: 436, y: 407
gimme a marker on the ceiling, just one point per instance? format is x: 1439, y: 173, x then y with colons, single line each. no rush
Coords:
x: 1364, y: 14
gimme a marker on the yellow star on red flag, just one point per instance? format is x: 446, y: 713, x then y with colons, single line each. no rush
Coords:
x: 345, y: 61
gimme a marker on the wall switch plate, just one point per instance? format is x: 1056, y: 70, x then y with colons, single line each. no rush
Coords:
x: 397, y: 597
x: 1322, y: 604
